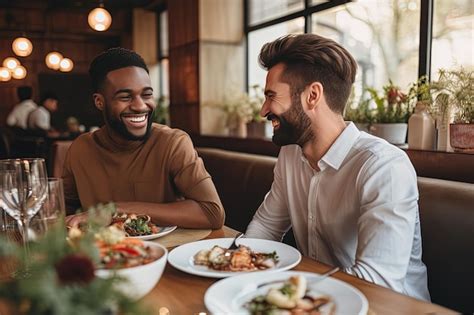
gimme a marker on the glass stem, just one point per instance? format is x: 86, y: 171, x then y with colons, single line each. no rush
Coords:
x: 23, y: 227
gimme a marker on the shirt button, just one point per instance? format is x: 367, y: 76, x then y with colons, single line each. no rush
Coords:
x: 310, y: 217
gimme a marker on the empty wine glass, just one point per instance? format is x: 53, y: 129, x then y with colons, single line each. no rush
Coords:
x: 23, y: 189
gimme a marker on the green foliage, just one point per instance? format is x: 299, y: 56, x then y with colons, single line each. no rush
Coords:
x: 43, y: 291
x: 455, y: 90
x: 358, y: 113
x: 161, y: 112
x: 393, y: 106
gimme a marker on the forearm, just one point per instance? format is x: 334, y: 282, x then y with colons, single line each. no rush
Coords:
x: 186, y: 213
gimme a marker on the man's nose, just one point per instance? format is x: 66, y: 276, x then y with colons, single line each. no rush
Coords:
x: 138, y: 104
x: 264, y: 110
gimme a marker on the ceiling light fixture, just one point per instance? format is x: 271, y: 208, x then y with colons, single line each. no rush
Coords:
x: 66, y: 65
x: 11, y: 63
x: 5, y: 74
x: 53, y: 60
x: 22, y: 46
x: 19, y: 72
x: 99, y: 19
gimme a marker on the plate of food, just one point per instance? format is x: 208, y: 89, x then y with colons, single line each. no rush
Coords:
x: 212, y: 258
x: 139, y: 226
x: 289, y: 292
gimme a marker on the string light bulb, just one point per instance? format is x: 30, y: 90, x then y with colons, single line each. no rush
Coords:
x: 66, y: 65
x: 22, y: 46
x: 19, y: 72
x: 99, y: 19
x: 53, y: 60
x: 5, y: 74
x: 11, y: 63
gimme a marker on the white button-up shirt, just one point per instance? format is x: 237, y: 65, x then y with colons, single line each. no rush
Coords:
x: 359, y: 212
x: 19, y: 115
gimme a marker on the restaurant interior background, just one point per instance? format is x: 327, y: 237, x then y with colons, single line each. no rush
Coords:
x: 203, y: 54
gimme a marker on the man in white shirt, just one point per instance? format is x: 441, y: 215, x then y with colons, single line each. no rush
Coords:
x: 351, y: 198
x: 19, y: 115
x: 40, y: 118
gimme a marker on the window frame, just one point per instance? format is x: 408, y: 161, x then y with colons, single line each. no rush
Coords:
x: 426, y: 28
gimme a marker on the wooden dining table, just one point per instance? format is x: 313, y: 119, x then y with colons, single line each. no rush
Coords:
x: 179, y: 293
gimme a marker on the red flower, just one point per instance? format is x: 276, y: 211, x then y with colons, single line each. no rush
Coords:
x: 75, y: 269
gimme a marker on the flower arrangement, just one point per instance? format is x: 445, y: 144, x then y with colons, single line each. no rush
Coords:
x: 60, y: 276
x: 161, y: 112
x: 243, y: 107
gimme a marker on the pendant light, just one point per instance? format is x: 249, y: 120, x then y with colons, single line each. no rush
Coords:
x: 22, y: 46
x: 5, y: 74
x: 19, y: 72
x: 99, y: 19
x: 53, y: 60
x: 66, y: 65
x: 11, y: 63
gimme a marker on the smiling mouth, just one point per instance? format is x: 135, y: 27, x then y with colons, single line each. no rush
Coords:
x: 135, y: 120
x: 275, y: 121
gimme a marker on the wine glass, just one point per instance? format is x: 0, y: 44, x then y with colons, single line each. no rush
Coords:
x: 52, y: 210
x: 23, y: 189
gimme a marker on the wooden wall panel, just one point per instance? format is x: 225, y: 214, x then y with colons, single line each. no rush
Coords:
x: 183, y: 116
x: 183, y: 22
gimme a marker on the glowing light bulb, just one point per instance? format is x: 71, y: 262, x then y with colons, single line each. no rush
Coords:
x: 66, y: 65
x: 19, y: 73
x: 53, y: 60
x: 5, y: 74
x: 11, y: 63
x: 99, y: 19
x: 22, y: 46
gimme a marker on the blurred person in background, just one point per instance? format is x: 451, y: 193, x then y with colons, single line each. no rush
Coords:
x: 39, y: 120
x: 18, y: 117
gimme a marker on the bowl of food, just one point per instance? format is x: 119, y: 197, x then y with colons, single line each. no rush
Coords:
x: 140, y: 263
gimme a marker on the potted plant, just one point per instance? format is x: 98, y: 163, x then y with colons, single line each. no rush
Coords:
x: 256, y: 126
x: 391, y: 113
x: 455, y: 94
x: 358, y: 113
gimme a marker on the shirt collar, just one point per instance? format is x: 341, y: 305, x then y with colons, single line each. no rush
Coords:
x: 341, y: 147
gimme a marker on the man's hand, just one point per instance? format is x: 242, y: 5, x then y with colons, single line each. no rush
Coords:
x: 76, y: 219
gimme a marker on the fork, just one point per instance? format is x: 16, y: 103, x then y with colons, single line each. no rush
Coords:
x: 234, y: 244
x: 253, y: 287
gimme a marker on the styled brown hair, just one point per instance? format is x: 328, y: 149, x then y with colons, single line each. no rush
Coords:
x: 309, y: 58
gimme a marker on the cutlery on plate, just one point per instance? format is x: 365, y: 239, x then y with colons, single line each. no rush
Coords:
x: 234, y: 244
x: 253, y: 286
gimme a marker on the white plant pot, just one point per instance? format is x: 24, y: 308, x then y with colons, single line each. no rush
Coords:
x: 393, y: 133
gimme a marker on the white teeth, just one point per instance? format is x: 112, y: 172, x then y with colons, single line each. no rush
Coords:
x: 275, y: 123
x: 137, y: 118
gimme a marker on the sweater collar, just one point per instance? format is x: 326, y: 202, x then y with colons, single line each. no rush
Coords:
x: 110, y: 140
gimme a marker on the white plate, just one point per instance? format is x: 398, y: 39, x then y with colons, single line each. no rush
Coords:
x: 164, y: 230
x: 227, y: 297
x: 182, y: 257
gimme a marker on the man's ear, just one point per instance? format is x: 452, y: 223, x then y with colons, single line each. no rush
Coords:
x: 99, y: 101
x: 313, y: 95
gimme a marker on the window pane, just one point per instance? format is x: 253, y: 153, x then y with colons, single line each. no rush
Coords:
x: 264, y: 10
x: 164, y: 78
x: 316, y: 2
x: 453, y: 34
x: 164, y: 34
x: 383, y: 37
x: 260, y: 37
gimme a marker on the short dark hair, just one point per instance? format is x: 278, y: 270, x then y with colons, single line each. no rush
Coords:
x: 113, y: 59
x: 48, y: 95
x: 309, y: 58
x: 24, y: 92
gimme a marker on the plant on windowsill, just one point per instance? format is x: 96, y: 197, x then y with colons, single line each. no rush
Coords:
x: 358, y: 112
x: 390, y: 117
x: 161, y: 112
x: 454, y: 95
x: 242, y: 109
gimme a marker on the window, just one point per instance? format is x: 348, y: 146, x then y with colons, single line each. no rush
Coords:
x: 383, y: 38
x: 258, y: 38
x: 264, y: 10
x: 452, y: 35
x: 163, y: 72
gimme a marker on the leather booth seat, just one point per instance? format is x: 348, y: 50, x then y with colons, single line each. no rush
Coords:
x: 446, y: 215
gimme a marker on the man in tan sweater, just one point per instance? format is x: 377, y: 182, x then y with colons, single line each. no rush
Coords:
x: 143, y: 167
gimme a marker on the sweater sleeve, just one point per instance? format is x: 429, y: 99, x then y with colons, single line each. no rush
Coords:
x: 70, y: 191
x: 193, y: 181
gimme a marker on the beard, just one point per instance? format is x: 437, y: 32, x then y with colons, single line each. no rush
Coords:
x: 119, y: 127
x: 295, y: 126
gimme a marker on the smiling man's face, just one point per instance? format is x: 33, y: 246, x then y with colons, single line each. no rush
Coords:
x: 128, y: 102
x: 290, y: 123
